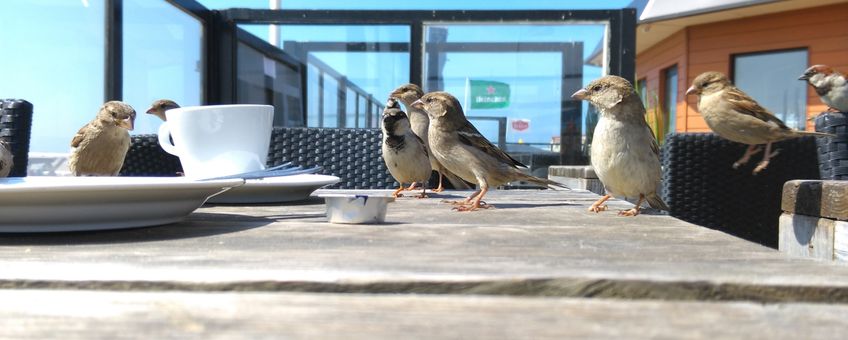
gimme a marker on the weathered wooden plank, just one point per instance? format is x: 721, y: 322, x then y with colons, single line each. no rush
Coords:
x: 840, y: 241
x: 816, y: 198
x: 806, y: 236
x: 39, y: 314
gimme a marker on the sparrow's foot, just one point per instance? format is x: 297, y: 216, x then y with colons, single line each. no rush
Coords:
x: 832, y: 109
x: 760, y: 167
x: 439, y: 189
x: 397, y: 192
x: 752, y: 150
x: 596, y: 208
x: 455, y: 202
x: 472, y: 207
x: 412, y: 186
x: 629, y: 212
x: 423, y: 194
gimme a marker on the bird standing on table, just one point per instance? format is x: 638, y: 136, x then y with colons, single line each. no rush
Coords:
x: 159, y: 107
x: 462, y: 150
x: 625, y: 154
x: 404, y: 153
x: 408, y: 94
x: 5, y: 159
x: 99, y: 147
x: 830, y: 85
x: 735, y: 116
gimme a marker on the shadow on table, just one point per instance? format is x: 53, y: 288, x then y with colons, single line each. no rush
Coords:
x: 198, y: 225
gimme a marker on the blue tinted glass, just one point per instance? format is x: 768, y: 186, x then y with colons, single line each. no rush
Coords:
x: 425, y: 5
x: 670, y: 99
x: 53, y: 57
x: 162, y: 58
x: 772, y: 80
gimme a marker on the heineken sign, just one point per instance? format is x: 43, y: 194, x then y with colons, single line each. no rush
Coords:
x: 488, y: 94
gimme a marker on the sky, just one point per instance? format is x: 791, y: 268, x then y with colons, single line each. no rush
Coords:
x: 56, y: 62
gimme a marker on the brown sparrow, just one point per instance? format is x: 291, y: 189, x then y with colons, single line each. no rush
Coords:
x: 408, y: 94
x: 830, y: 85
x: 159, y: 107
x: 404, y: 152
x: 735, y: 116
x: 625, y: 154
x: 99, y: 147
x: 5, y: 159
x: 461, y: 149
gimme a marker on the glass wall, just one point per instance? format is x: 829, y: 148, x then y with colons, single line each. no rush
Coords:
x: 163, y: 50
x: 771, y: 78
x: 524, y: 73
x: 53, y: 57
x: 350, y: 69
x: 670, y: 100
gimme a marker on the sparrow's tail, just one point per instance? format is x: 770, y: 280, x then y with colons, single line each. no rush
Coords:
x: 656, y: 202
x: 457, y: 182
x: 800, y: 133
x: 540, y: 181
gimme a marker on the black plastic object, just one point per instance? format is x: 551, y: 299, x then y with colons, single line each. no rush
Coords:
x: 15, y: 129
x: 146, y: 158
x: 833, y: 151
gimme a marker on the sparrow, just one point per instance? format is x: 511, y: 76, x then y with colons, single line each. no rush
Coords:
x: 159, y: 107
x: 5, y: 159
x: 462, y: 150
x: 625, y: 154
x: 830, y: 85
x: 99, y: 147
x: 408, y: 94
x: 735, y: 116
x: 405, y: 154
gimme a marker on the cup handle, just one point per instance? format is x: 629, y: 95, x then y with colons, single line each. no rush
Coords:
x: 165, y: 139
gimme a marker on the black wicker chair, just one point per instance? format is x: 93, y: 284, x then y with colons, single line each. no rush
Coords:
x: 354, y: 155
x: 700, y: 185
x: 15, y: 129
x: 146, y: 158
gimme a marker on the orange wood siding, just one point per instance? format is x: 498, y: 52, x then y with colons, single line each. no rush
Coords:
x: 709, y: 47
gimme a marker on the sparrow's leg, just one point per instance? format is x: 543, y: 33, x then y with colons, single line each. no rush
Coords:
x: 412, y: 186
x: 475, y: 202
x: 765, y: 162
x: 423, y: 193
x: 599, y: 205
x: 832, y: 109
x: 466, y: 201
x: 397, y: 192
x: 750, y: 151
x: 635, y: 210
x: 440, y: 188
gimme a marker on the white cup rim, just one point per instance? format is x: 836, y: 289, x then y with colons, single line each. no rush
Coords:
x: 222, y: 106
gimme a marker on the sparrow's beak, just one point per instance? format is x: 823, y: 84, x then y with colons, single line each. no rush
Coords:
x: 128, y: 123
x: 150, y: 110
x: 803, y: 77
x: 580, y: 94
x: 692, y: 90
x: 418, y: 104
x: 394, y: 94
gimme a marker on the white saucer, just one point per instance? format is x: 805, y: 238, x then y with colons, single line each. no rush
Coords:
x: 275, y: 189
x: 51, y: 204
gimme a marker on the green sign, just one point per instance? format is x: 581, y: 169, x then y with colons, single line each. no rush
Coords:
x: 488, y: 94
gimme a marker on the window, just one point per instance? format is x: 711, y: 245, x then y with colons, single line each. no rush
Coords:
x: 670, y: 99
x: 771, y: 78
x: 642, y: 89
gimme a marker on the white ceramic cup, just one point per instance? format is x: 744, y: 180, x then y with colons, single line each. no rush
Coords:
x: 218, y: 140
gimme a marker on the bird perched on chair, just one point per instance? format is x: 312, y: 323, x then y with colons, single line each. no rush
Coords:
x: 99, y: 147
x: 625, y: 154
x: 408, y: 94
x: 404, y: 152
x: 830, y: 85
x: 462, y: 150
x: 159, y: 107
x: 735, y: 116
x: 5, y: 159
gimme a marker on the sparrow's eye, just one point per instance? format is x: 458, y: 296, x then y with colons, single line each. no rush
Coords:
x: 596, y: 88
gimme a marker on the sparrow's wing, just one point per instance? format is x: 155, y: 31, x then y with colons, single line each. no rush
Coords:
x: 78, y: 138
x: 421, y: 142
x: 745, y: 104
x: 469, y: 135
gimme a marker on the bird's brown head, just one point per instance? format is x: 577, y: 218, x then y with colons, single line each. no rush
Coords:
x: 394, y: 119
x: 117, y: 113
x: 407, y: 93
x: 708, y: 82
x: 159, y: 107
x: 440, y: 105
x: 815, y: 70
x: 605, y: 92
